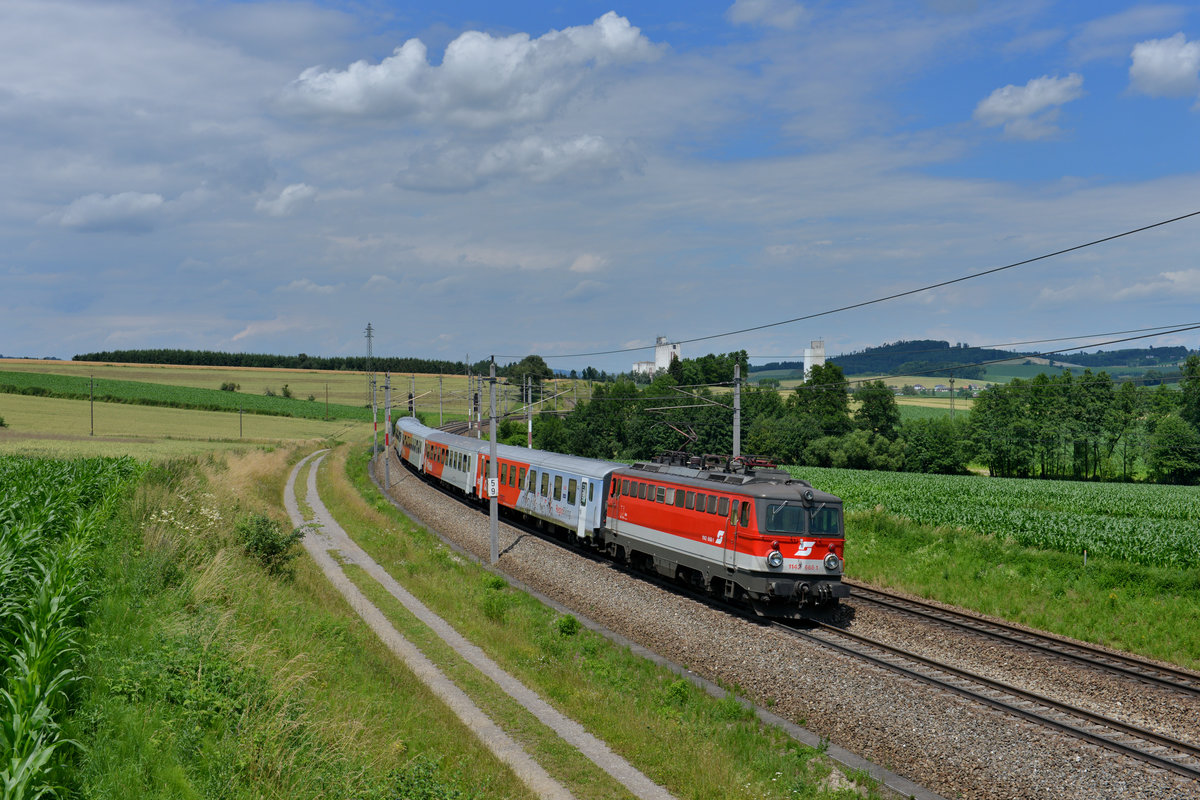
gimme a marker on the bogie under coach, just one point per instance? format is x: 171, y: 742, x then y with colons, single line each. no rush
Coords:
x: 738, y: 529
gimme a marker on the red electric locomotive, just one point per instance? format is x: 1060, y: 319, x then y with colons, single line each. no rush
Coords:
x: 739, y: 530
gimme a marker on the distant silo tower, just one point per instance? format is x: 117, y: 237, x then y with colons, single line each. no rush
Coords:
x: 814, y: 356
x: 663, y: 352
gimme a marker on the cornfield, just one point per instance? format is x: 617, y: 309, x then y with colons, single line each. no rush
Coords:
x: 51, y: 513
x: 1147, y: 524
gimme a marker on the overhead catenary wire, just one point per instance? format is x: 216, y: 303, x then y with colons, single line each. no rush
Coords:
x: 894, y: 296
x: 1014, y: 344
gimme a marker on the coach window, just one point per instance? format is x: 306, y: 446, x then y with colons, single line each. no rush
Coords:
x: 745, y: 512
x: 660, y: 495
x: 572, y: 487
x: 625, y: 488
x: 504, y: 473
x: 591, y: 491
x: 545, y: 484
x: 641, y: 491
x: 700, y: 501
x: 712, y: 504
x: 723, y: 507
x: 522, y: 481
x: 558, y: 487
x: 679, y: 498
x: 670, y: 499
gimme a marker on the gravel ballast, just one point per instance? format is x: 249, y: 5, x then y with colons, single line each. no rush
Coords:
x: 951, y: 745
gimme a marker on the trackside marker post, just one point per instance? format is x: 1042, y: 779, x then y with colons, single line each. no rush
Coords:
x: 493, y: 507
x: 387, y: 430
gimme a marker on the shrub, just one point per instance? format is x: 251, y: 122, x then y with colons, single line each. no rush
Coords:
x: 494, y: 606
x: 568, y: 625
x: 285, y: 391
x: 269, y: 392
x: 230, y: 386
x: 266, y: 540
x: 2, y: 423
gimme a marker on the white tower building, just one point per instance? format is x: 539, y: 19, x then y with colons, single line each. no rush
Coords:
x: 814, y: 356
x: 663, y: 352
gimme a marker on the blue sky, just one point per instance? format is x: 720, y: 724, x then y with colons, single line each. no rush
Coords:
x: 484, y: 178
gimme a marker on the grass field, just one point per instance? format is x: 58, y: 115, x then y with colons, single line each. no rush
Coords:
x: 62, y: 428
x: 447, y: 392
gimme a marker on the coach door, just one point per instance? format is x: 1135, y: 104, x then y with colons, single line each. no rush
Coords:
x: 581, y: 529
x: 729, y: 511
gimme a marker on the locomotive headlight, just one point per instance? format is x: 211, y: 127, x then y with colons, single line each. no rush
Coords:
x: 832, y: 562
x: 775, y: 559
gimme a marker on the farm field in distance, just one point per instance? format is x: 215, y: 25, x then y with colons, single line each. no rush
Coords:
x: 1151, y: 524
x: 449, y: 394
x: 51, y: 427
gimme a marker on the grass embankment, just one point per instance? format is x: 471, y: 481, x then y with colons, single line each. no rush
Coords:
x: 208, y: 677
x: 103, y: 390
x: 695, y: 745
x: 1141, y: 609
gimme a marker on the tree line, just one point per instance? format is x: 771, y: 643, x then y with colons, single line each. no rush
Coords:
x: 1059, y: 426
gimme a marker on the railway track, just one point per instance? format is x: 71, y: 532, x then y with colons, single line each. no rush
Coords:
x: 1124, y: 665
x: 1175, y: 756
x: 1179, y: 757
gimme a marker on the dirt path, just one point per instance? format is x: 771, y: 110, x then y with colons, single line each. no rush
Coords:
x: 330, y: 537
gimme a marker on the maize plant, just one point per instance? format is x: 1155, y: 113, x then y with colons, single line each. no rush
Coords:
x: 51, y: 513
x: 1150, y: 524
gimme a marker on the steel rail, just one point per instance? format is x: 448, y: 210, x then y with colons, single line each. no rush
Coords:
x: 1163, y: 762
x: 1127, y: 666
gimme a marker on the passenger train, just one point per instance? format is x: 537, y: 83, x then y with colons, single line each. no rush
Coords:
x: 738, y: 529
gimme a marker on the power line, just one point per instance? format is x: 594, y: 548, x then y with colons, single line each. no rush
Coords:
x: 1009, y: 344
x: 895, y: 296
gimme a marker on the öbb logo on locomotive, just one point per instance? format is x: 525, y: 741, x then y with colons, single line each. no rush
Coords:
x: 739, y: 529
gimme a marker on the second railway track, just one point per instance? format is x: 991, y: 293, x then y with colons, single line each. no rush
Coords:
x: 1181, y: 758
x: 1122, y: 664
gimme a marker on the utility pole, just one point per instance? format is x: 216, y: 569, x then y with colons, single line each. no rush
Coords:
x: 952, y: 397
x: 737, y: 410
x: 441, y: 421
x: 92, y: 402
x: 529, y: 413
x: 413, y: 395
x: 239, y: 422
x: 387, y: 431
x: 492, y: 483
x: 370, y: 375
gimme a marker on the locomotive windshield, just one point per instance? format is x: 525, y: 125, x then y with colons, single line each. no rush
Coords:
x: 789, y: 519
x: 827, y: 522
x: 785, y: 519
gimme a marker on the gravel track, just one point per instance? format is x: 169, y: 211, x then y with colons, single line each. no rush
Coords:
x: 948, y: 744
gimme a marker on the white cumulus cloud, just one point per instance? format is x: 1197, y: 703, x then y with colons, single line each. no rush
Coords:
x: 310, y: 287
x: 770, y: 13
x: 1029, y: 111
x: 288, y: 201
x: 128, y: 212
x: 588, y: 263
x: 482, y: 81
x: 533, y: 158
x: 1182, y: 283
x: 1166, y: 67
